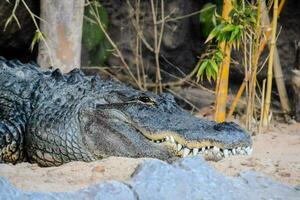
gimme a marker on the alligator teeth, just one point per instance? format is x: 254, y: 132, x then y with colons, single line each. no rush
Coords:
x: 249, y: 150
x: 225, y: 153
x: 167, y: 138
x: 200, y: 150
x: 172, y: 139
x: 233, y: 151
x: 186, y: 152
x: 216, y: 150
x: 213, y: 151
x: 195, y: 151
x: 243, y: 152
x: 179, y: 146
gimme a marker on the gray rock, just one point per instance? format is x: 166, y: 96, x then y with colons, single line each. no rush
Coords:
x: 103, y: 191
x: 189, y: 178
x: 15, y: 41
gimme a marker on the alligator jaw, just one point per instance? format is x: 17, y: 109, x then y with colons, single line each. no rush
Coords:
x: 210, y: 150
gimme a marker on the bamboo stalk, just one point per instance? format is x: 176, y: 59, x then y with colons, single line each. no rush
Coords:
x: 265, y: 16
x: 270, y: 65
x: 262, y: 106
x: 157, y: 42
x: 254, y: 61
x: 222, y: 80
x: 261, y: 49
x: 236, y: 99
x: 137, y: 42
x: 278, y: 75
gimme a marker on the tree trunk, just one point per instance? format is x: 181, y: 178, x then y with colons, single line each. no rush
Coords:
x: 63, y: 30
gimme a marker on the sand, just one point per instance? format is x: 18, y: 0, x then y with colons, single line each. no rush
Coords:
x: 276, y: 154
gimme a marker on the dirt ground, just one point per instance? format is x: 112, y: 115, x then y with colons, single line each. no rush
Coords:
x: 276, y: 154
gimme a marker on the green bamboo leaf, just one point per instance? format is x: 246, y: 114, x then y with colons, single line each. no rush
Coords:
x: 218, y: 56
x: 212, y: 34
x: 208, y: 74
x: 221, y: 37
x: 101, y: 53
x: 228, y: 28
x: 92, y: 35
x: 36, y: 38
x: 214, y: 66
x: 234, y: 33
x: 214, y: 75
x: 207, y: 18
x: 202, y: 67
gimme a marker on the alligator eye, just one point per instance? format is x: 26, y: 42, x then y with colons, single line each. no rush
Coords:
x: 146, y: 100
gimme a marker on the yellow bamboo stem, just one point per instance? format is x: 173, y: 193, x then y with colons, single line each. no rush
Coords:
x: 254, y: 61
x: 278, y: 75
x: 262, y: 106
x: 270, y: 65
x: 236, y: 99
x: 222, y: 80
x: 268, y: 32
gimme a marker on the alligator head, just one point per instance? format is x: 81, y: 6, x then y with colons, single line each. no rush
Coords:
x: 131, y: 123
x: 52, y: 118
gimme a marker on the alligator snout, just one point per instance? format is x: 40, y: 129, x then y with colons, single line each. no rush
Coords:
x: 186, y: 135
x: 208, y: 150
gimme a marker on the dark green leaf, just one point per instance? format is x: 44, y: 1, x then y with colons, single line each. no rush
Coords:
x: 234, y: 33
x: 202, y: 67
x: 214, y: 66
x: 207, y: 18
x: 100, y: 54
x: 92, y: 34
x: 208, y: 74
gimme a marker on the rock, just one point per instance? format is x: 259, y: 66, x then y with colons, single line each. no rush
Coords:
x: 181, y: 42
x: 106, y: 190
x: 109, y: 190
x: 289, y: 27
x: 15, y: 41
x: 189, y: 178
x: 295, y: 82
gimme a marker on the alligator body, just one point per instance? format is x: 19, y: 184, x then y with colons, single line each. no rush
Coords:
x: 52, y: 118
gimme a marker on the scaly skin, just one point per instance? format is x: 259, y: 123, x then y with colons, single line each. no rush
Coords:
x: 51, y: 119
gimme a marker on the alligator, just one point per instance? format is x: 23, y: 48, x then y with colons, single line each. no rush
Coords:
x: 50, y: 118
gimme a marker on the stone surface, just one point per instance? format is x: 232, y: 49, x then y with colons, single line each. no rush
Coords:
x: 182, y: 39
x: 189, y: 178
x: 295, y: 82
x: 14, y: 40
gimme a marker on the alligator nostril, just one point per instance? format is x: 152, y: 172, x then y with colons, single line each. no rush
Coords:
x: 226, y: 126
